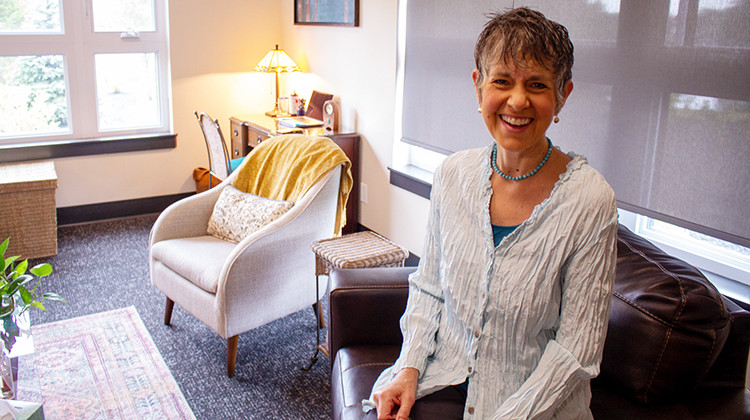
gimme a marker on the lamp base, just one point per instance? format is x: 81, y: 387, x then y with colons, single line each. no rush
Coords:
x: 273, y: 113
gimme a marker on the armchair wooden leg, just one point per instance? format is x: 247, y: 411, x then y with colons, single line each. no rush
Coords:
x: 168, y: 311
x: 231, y: 354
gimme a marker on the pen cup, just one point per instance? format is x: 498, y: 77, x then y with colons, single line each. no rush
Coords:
x: 284, y: 104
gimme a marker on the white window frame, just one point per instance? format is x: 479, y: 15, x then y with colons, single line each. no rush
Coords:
x: 78, y: 43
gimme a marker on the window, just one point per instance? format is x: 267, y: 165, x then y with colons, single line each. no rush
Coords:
x: 734, y: 258
x: 82, y: 70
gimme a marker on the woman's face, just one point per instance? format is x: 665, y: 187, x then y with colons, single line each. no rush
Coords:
x: 518, y: 103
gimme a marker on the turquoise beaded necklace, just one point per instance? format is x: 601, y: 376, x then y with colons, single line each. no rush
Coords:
x: 524, y: 176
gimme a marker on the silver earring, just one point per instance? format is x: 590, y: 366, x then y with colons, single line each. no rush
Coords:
x: 557, y: 119
x: 479, y: 110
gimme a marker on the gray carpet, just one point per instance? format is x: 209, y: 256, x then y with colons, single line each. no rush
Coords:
x: 104, y: 266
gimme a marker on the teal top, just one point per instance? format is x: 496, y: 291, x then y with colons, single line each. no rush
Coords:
x: 500, y: 232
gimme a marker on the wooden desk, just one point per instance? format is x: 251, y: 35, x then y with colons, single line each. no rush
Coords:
x: 250, y: 130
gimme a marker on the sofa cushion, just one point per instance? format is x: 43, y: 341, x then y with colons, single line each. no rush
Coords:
x: 667, y: 325
x: 238, y: 214
x: 354, y: 371
x: 708, y: 404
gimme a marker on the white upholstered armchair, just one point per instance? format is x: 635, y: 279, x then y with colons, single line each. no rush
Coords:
x: 235, y: 287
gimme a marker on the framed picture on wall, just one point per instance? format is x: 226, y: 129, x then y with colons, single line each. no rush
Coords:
x: 326, y: 12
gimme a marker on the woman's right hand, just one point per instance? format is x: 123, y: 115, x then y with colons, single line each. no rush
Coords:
x: 401, y: 392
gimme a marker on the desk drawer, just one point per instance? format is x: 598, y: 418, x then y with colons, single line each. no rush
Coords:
x: 239, y: 139
x: 255, y: 136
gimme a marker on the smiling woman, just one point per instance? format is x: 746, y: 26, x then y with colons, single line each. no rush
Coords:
x: 510, y: 281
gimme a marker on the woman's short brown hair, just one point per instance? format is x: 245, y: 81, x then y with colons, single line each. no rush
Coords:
x: 521, y: 35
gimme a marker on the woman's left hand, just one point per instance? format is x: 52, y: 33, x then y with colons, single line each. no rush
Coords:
x: 401, y: 392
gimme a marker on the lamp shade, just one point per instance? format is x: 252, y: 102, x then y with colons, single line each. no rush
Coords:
x: 277, y: 61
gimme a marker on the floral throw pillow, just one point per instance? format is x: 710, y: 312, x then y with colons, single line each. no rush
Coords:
x: 238, y: 214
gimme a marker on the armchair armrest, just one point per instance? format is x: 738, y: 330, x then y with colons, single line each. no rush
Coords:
x: 365, y: 306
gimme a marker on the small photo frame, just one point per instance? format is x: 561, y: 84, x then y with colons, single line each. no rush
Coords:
x: 315, y: 106
x: 326, y: 12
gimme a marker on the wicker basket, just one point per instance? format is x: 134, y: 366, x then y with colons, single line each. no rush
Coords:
x: 27, y: 208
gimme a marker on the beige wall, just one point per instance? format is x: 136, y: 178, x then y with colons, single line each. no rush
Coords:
x: 213, y: 51
x: 358, y: 65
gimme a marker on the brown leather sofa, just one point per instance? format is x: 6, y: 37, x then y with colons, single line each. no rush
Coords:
x: 675, y: 349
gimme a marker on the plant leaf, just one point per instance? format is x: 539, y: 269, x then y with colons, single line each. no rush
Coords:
x: 9, y: 261
x: 22, y: 266
x: 54, y: 296
x: 12, y: 287
x: 41, y: 270
x: 26, y: 296
x: 7, y: 310
x: 4, y: 246
x: 27, y: 278
x: 38, y: 305
x: 22, y: 279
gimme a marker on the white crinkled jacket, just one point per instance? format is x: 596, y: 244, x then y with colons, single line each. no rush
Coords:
x: 525, y: 321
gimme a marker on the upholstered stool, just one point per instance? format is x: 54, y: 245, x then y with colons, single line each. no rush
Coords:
x: 356, y: 250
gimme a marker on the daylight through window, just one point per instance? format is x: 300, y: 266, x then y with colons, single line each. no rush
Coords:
x: 80, y: 70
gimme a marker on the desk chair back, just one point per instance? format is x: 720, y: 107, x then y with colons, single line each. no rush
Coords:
x: 218, y: 156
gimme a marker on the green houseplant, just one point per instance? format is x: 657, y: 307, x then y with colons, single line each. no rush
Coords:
x: 18, y: 293
x: 15, y: 293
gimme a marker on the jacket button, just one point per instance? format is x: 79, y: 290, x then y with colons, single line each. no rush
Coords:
x: 470, y: 369
x: 476, y: 334
x: 471, y: 410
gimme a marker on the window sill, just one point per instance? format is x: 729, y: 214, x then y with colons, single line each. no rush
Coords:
x: 412, y: 179
x: 87, y: 147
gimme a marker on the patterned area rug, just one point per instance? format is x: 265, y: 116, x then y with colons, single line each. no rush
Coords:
x: 100, y: 366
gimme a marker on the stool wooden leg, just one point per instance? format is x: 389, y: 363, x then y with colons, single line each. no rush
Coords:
x: 168, y: 311
x: 231, y: 354
x: 319, y: 323
x: 318, y: 309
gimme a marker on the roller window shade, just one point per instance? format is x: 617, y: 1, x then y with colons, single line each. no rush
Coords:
x: 661, y: 103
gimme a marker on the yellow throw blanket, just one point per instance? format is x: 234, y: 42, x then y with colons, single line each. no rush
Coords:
x: 285, y: 167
